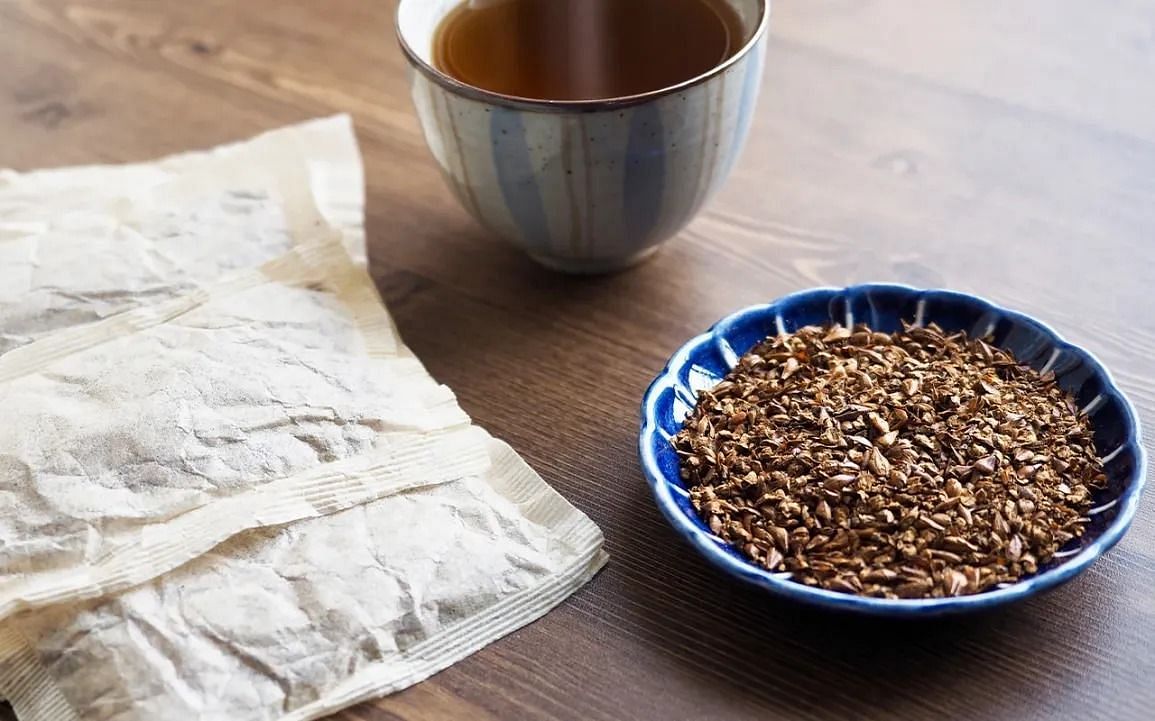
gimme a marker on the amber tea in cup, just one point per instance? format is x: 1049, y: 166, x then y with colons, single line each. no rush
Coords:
x: 585, y: 49
x: 585, y: 132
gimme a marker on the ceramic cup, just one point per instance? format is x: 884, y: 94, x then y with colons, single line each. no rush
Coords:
x: 585, y: 186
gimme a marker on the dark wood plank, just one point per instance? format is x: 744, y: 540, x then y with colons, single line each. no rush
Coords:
x: 1005, y: 149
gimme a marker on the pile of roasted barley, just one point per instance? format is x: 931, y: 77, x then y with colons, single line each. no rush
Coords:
x: 907, y: 465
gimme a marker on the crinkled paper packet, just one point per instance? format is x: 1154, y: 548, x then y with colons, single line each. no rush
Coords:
x: 281, y: 622
x: 133, y: 444
x: 164, y: 227
x: 114, y: 344
x: 297, y: 622
x: 81, y: 244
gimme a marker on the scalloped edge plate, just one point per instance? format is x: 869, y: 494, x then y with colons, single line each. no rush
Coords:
x: 702, y: 362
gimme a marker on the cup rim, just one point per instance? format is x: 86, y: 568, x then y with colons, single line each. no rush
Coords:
x: 570, y: 106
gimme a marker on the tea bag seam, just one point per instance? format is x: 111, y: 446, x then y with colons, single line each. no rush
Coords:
x: 24, y: 678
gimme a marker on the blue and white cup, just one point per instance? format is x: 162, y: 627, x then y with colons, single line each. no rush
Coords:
x: 585, y: 186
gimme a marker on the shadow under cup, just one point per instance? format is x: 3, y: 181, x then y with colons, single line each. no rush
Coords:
x: 585, y: 186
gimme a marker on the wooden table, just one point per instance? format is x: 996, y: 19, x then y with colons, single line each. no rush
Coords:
x: 1006, y: 149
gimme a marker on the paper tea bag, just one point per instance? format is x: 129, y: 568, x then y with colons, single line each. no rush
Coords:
x: 159, y: 230
x: 295, y: 623
x: 132, y: 444
x: 327, y: 147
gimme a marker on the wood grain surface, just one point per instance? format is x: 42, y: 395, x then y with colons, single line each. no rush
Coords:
x: 1002, y: 148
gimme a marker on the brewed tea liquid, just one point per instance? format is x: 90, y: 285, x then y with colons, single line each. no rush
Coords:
x: 584, y: 49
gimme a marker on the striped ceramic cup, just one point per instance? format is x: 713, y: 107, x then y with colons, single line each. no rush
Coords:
x: 585, y: 186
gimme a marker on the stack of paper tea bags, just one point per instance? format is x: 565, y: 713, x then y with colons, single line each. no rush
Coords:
x: 228, y: 492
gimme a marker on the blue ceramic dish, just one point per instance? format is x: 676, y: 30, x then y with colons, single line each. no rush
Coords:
x: 702, y: 362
